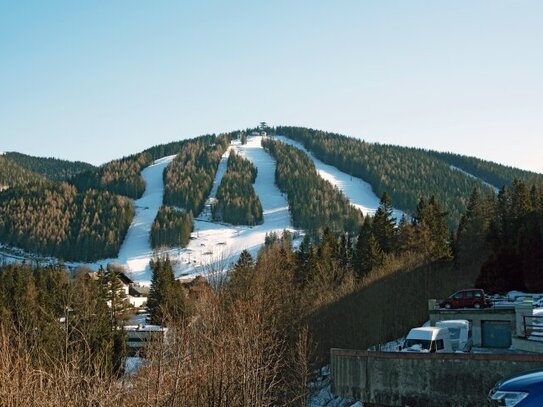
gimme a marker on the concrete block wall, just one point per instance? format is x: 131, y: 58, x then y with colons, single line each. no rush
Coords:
x: 423, y: 379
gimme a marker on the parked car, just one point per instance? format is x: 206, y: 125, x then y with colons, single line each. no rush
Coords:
x: 460, y: 333
x: 428, y: 339
x: 522, y: 390
x: 472, y: 298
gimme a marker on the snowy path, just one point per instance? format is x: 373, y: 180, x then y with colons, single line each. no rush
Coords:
x: 136, y: 251
x: 221, y: 170
x: 496, y: 190
x: 358, y: 191
x: 216, y: 245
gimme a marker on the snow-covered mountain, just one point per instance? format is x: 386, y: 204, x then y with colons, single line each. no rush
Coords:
x: 216, y: 244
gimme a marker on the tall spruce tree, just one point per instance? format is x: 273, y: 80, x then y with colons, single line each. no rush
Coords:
x: 306, y: 259
x: 471, y: 241
x: 374, y: 255
x: 241, y: 277
x: 384, y: 224
x: 362, y: 246
x: 167, y: 299
x: 116, y: 297
x: 406, y: 236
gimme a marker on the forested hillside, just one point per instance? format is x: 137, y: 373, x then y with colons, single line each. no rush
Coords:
x: 54, y: 219
x: 51, y: 168
x: 87, y: 219
x: 495, y: 174
x: 12, y: 174
x: 189, y: 177
x: 405, y: 173
x: 237, y: 202
x: 171, y: 228
x: 507, y: 231
x: 119, y: 177
x: 314, y: 203
x: 123, y: 176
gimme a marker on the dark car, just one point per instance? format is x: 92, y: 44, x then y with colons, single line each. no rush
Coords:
x: 472, y: 298
x: 522, y: 390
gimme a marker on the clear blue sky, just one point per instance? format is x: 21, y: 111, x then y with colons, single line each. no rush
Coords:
x: 96, y: 80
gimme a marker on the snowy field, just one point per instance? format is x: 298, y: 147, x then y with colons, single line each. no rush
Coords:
x: 358, y: 191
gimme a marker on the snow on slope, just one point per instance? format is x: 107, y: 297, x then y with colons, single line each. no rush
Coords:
x: 212, y: 244
x: 216, y: 245
x: 358, y: 191
x: 136, y: 251
x: 452, y: 167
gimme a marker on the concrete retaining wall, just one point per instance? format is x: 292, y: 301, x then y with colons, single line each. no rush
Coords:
x: 418, y: 379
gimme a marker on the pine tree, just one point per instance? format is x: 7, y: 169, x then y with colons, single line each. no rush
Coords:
x: 439, y: 230
x: 374, y: 255
x: 346, y: 251
x: 406, y: 236
x: 362, y: 243
x: 116, y: 298
x: 90, y: 322
x: 241, y: 277
x: 305, y: 268
x: 384, y: 224
x: 167, y: 299
x: 472, y: 230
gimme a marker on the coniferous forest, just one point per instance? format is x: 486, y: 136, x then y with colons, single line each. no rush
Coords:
x: 237, y: 202
x: 86, y: 219
x: 53, y: 169
x: 12, y: 174
x: 508, y: 231
x: 405, y: 173
x: 54, y: 219
x: 189, y: 177
x: 314, y: 203
x: 118, y: 176
x: 496, y: 175
x: 123, y: 176
x: 171, y: 228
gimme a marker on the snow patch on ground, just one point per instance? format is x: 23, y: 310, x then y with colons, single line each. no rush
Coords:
x: 321, y: 393
x: 357, y: 190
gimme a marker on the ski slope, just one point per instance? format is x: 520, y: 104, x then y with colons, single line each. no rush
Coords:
x: 215, y: 245
x: 358, y: 191
x: 135, y: 251
x: 136, y: 248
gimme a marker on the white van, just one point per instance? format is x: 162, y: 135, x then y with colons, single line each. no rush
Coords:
x: 428, y: 339
x: 460, y: 332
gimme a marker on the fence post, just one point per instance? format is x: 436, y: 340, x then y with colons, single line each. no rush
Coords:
x: 522, y: 311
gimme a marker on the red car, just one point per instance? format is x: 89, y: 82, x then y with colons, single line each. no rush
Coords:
x: 472, y: 298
